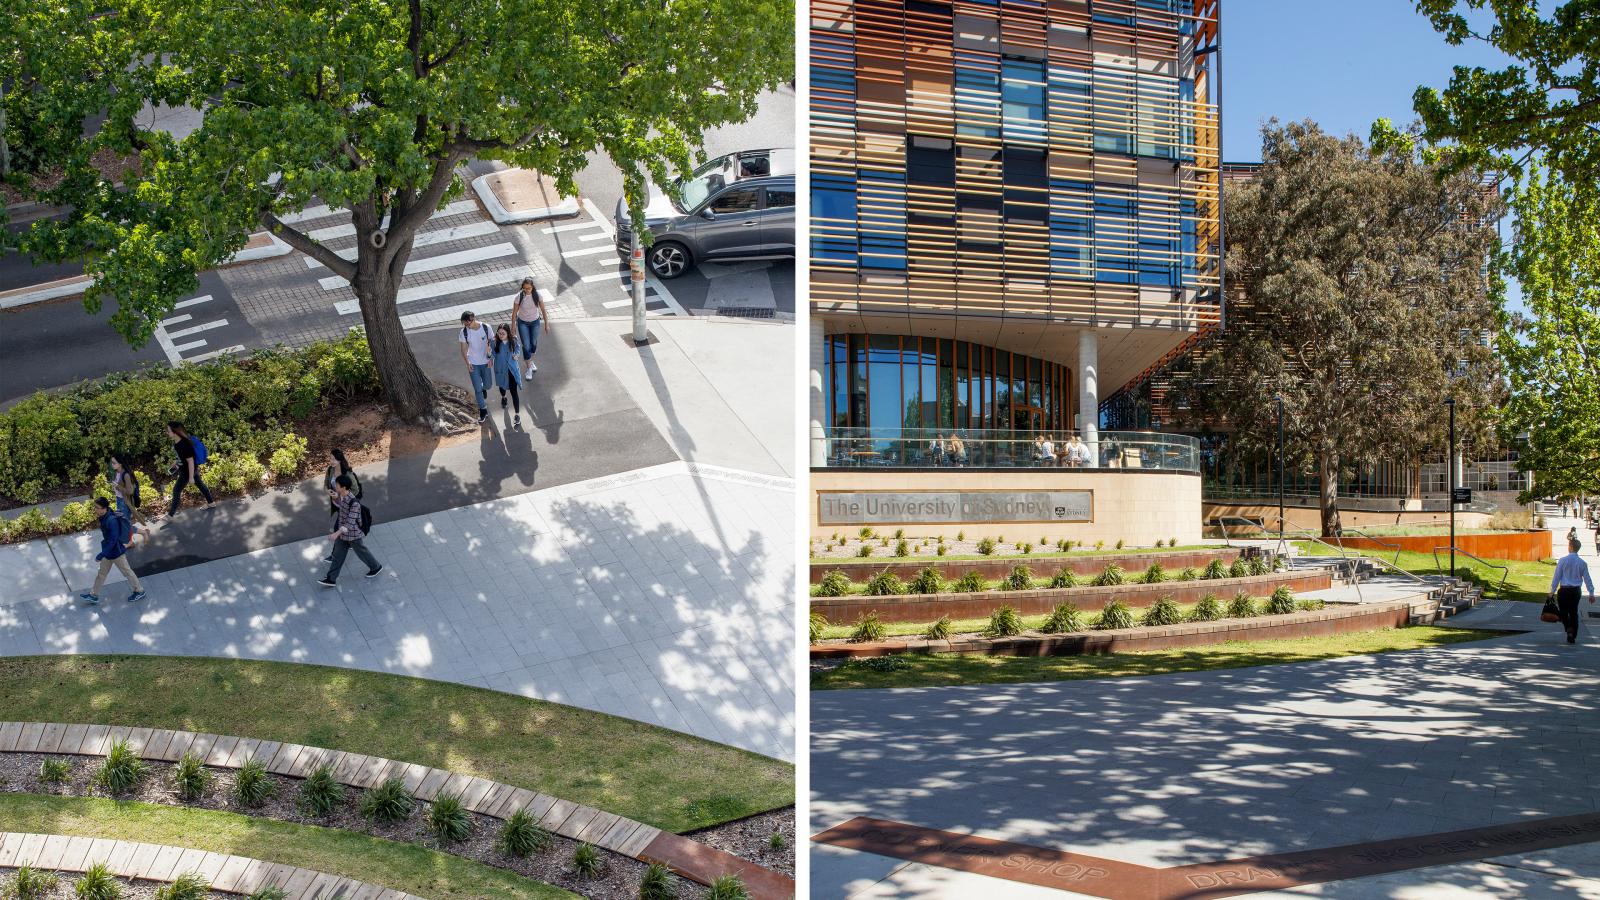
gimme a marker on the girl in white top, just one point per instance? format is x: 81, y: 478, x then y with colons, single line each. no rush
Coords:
x: 527, y: 310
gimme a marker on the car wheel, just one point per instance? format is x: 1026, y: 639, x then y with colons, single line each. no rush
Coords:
x: 669, y: 259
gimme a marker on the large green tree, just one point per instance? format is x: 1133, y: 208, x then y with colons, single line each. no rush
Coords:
x: 1358, y: 293
x: 1552, y: 350
x: 367, y: 105
x: 1547, y: 100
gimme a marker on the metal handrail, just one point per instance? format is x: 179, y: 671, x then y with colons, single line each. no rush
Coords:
x: 1303, y: 534
x: 1376, y: 540
x: 1505, y: 570
x: 1350, y: 567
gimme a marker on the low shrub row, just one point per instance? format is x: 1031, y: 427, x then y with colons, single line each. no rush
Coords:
x: 931, y: 581
x: 98, y: 883
x: 48, y: 442
x: 987, y: 546
x: 1066, y: 618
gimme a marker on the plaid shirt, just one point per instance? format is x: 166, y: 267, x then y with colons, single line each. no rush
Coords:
x: 349, y: 517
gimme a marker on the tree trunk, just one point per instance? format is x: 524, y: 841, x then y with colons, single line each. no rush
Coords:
x: 1328, y: 475
x: 405, y: 386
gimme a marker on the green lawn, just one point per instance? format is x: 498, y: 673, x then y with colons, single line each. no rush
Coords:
x: 949, y: 668
x: 1528, y: 581
x: 404, y: 867
x: 886, y: 554
x: 660, y: 777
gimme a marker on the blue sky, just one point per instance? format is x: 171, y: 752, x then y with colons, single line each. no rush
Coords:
x: 1343, y: 64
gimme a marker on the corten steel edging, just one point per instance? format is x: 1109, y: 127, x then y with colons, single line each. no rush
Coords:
x: 1524, y: 546
x: 860, y: 569
x: 929, y: 607
x: 705, y: 864
x: 1321, y: 623
x: 1118, y: 880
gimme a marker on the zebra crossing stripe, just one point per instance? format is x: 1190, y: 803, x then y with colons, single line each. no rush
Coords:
x: 589, y: 251
x: 425, y: 239
x: 185, y: 332
x: 506, y: 278
x: 191, y: 302
x: 574, y: 226
x: 445, y: 261
x: 177, y: 320
x: 605, y: 276
x: 191, y: 345
x: 236, y: 348
x: 349, y: 229
x: 597, y: 236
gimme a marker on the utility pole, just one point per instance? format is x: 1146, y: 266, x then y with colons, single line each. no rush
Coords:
x: 1450, y: 466
x: 1280, y: 470
x: 636, y: 272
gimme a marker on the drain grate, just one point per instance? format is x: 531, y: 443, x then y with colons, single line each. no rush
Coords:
x: 746, y: 312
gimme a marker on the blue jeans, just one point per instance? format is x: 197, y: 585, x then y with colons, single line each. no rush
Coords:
x: 482, y: 380
x: 528, y: 334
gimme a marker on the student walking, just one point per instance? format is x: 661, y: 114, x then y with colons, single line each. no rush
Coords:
x: 339, y: 465
x: 191, y: 456
x: 474, y: 342
x: 126, y: 487
x: 1571, y: 574
x: 528, y: 312
x: 507, y: 376
x: 115, y: 534
x: 347, y: 533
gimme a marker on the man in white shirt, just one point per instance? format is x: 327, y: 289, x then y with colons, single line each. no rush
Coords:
x: 474, y: 341
x: 1077, y: 453
x: 1571, y: 572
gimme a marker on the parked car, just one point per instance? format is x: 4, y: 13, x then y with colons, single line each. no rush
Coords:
x: 739, y: 206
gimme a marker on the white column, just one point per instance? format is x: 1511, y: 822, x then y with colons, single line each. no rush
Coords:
x: 817, y: 399
x: 1089, y: 392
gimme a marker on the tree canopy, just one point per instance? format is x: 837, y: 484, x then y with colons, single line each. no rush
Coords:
x: 368, y: 105
x: 1357, y: 293
x: 1548, y: 100
x: 1552, y: 351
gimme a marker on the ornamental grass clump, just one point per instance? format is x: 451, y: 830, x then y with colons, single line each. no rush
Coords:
x: 868, y: 629
x: 1164, y: 611
x: 387, y: 803
x: 97, y: 883
x: 122, y: 770
x: 1153, y: 575
x: 1239, y: 569
x: 1020, y: 579
x: 448, y: 819
x: 1066, y: 578
x: 942, y: 550
x: 1111, y: 577
x: 1189, y: 574
x: 189, y: 886
x: 727, y: 887
x: 986, y: 546
x: 1258, y: 565
x: 31, y: 884
x: 1242, y: 606
x: 865, y: 534
x: 656, y: 884
x: 902, y: 548
x: 819, y: 624
x: 970, y: 583
x: 833, y: 584
x: 521, y: 836
x: 928, y: 581
x: 1119, y: 543
x: 865, y: 551
x: 885, y: 584
x: 938, y: 631
x: 270, y: 892
x: 1116, y: 614
x: 251, y: 784
x: 190, y: 776
x: 1281, y: 603
x: 1004, y: 622
x: 1209, y: 609
x: 54, y: 771
x: 1064, y: 619
x: 1310, y: 604
x: 586, y: 860
x: 1214, y: 570
x: 321, y: 793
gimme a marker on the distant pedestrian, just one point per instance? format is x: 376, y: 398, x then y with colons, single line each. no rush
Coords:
x: 507, y: 376
x: 1571, y: 573
x: 191, y: 456
x: 958, y: 450
x: 125, y: 484
x: 115, y: 534
x: 348, y: 533
x: 339, y: 465
x: 475, y: 353
x: 527, y: 310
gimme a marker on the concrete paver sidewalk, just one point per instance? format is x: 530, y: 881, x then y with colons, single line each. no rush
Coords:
x: 662, y: 595
x: 1191, y: 768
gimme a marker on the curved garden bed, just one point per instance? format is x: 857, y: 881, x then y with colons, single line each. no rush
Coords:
x: 1000, y: 565
x: 928, y: 607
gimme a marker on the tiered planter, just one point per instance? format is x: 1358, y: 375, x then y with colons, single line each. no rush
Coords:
x: 929, y: 607
x: 1526, y: 546
x: 857, y: 569
x: 1340, y: 619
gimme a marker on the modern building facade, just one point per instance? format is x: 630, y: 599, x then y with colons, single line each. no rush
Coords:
x: 1014, y: 212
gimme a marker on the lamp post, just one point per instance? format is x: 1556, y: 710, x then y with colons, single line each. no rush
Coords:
x: 1280, y: 470
x: 1450, y: 466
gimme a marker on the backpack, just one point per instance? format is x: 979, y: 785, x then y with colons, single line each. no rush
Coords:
x: 121, y: 530
x: 366, y: 519
x: 200, y: 454
x: 484, y: 327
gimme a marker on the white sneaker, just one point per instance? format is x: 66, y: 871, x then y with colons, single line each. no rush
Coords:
x: 532, y: 368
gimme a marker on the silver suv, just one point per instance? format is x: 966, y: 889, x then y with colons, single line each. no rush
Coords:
x: 739, y: 206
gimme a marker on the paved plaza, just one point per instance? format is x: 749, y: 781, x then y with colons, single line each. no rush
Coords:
x: 660, y: 591
x: 1194, y: 768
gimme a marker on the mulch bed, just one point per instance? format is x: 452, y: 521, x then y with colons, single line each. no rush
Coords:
x: 618, y: 879
x: 131, y: 889
x: 751, y: 838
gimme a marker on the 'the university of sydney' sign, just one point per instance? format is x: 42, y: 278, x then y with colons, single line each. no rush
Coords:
x: 950, y: 507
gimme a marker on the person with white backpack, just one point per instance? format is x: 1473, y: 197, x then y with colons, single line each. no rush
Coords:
x: 115, y: 534
x: 349, y: 531
x: 474, y: 343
